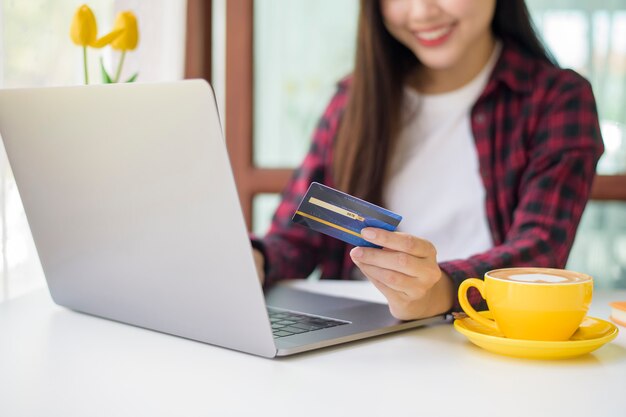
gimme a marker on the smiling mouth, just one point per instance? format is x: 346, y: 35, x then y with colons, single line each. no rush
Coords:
x: 435, y: 36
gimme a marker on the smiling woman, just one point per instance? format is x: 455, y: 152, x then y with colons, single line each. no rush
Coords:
x: 424, y: 37
x: 35, y: 50
x: 598, y: 30
x: 585, y: 36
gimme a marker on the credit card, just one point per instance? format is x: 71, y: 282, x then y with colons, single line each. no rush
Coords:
x: 341, y: 215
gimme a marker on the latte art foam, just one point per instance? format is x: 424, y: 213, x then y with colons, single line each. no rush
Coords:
x: 538, y: 278
x: 539, y: 275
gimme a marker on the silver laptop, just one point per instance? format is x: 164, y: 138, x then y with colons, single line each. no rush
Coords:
x: 134, y: 212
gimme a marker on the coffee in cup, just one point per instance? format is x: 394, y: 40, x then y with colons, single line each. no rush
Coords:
x: 531, y: 303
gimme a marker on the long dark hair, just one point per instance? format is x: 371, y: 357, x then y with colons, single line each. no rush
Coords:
x: 372, y: 118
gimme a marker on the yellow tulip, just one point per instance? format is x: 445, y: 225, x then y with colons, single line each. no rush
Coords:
x: 123, y: 37
x: 128, y: 40
x: 84, y: 30
x: 107, y: 39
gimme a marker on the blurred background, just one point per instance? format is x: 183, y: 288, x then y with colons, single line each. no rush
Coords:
x: 274, y: 65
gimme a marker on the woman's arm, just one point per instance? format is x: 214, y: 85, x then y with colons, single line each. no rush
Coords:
x: 564, y: 148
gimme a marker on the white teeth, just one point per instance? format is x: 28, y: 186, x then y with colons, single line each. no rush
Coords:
x: 434, y: 34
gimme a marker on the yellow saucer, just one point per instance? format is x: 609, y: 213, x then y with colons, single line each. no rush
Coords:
x: 591, y: 334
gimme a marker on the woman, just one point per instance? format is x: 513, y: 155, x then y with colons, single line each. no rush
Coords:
x: 458, y: 119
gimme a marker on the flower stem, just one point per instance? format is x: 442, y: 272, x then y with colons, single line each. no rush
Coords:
x: 119, y: 67
x: 85, y: 65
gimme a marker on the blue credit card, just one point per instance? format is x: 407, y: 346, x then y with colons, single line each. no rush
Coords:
x: 341, y: 215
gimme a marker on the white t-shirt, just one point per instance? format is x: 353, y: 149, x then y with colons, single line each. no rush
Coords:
x: 434, y: 180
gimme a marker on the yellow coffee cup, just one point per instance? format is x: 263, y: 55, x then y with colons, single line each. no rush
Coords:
x: 531, y: 303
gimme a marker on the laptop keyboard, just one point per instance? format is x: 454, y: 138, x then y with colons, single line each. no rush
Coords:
x: 287, y: 323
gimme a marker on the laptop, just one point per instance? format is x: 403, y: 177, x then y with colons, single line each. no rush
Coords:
x: 133, y: 208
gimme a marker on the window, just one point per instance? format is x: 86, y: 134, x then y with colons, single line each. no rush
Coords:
x: 315, y: 48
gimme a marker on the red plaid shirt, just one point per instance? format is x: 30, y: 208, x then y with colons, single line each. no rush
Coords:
x: 538, y: 140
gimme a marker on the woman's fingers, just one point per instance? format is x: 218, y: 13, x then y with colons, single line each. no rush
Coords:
x: 405, y: 285
x: 400, y: 242
x: 392, y: 296
x: 423, y: 271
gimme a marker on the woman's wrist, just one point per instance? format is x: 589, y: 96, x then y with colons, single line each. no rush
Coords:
x: 442, y: 298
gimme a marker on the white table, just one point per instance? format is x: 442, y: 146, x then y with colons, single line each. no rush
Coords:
x: 55, y: 362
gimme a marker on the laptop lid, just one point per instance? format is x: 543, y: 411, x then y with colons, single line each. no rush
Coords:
x: 133, y: 208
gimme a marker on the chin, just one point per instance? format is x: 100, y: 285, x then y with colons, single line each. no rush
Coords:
x: 437, y: 62
x: 438, y: 59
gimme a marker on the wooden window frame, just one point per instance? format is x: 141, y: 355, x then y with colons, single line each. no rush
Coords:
x: 198, y: 39
x: 239, y: 124
x: 251, y: 180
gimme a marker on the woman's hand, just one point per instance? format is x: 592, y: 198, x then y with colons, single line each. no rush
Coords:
x: 259, y: 262
x: 406, y: 272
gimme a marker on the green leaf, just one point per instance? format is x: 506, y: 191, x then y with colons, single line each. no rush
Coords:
x: 106, y: 78
x: 133, y: 78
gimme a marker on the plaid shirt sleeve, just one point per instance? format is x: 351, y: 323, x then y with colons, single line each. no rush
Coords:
x: 290, y: 250
x: 550, y: 191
